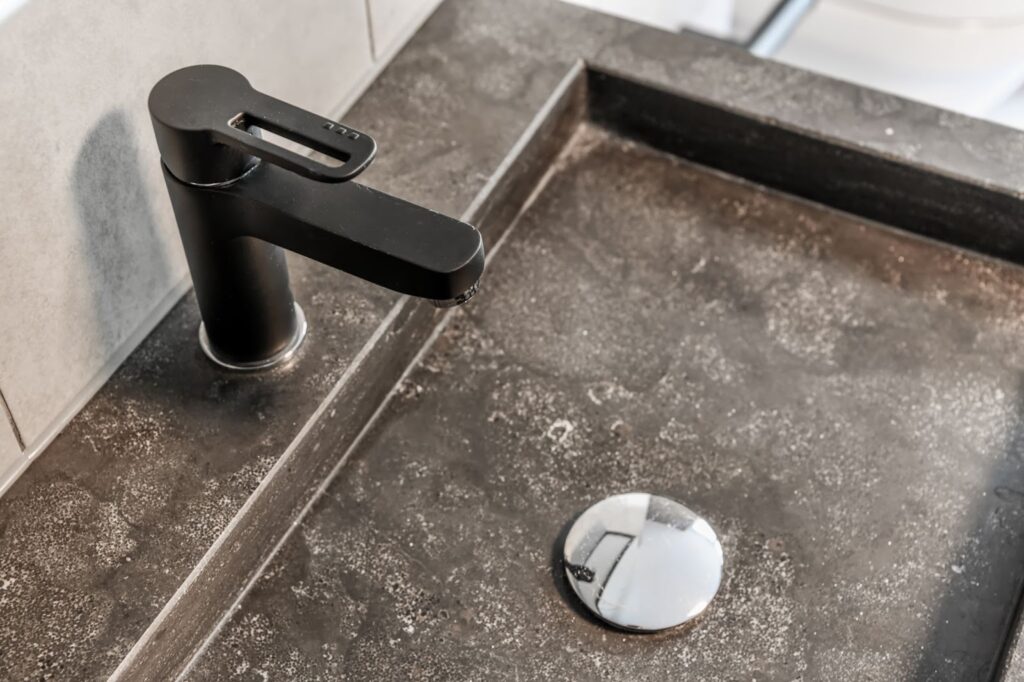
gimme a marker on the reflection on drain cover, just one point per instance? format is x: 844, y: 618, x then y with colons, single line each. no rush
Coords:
x: 643, y: 562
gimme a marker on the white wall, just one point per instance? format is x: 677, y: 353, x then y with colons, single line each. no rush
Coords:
x: 88, y: 247
x: 728, y: 19
x: 963, y: 56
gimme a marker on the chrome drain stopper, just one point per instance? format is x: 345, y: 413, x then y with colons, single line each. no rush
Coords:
x: 643, y: 562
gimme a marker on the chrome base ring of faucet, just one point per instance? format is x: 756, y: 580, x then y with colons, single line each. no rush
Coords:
x: 279, y: 358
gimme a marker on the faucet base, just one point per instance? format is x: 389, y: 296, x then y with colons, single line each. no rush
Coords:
x: 279, y: 358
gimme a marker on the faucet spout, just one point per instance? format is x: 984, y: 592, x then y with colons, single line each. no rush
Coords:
x: 372, y: 235
x: 240, y: 200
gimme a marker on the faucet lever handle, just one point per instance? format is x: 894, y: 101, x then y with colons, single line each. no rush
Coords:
x: 353, y: 150
x: 208, y: 120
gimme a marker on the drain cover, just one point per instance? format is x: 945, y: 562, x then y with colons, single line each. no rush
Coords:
x: 643, y: 562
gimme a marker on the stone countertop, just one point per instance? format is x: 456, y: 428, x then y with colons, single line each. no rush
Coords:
x: 103, y: 528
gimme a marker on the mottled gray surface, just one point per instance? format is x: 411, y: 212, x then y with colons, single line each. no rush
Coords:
x: 98, y: 534
x: 102, y: 529
x: 841, y: 401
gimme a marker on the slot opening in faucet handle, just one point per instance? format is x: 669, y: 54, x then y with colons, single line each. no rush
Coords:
x: 348, y: 151
x: 209, y: 120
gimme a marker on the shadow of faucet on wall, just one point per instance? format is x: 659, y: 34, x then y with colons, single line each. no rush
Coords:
x: 129, y: 270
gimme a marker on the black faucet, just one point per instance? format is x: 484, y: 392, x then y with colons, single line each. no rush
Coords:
x: 240, y: 198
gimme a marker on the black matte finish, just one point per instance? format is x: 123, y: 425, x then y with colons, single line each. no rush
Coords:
x: 201, y: 115
x: 234, y: 212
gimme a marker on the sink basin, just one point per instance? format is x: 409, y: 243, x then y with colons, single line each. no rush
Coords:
x: 725, y: 312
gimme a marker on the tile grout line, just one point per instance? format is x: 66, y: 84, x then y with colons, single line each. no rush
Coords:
x: 369, y: 30
x: 378, y: 64
x: 10, y: 420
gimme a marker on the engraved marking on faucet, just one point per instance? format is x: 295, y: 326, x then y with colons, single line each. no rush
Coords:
x: 340, y: 130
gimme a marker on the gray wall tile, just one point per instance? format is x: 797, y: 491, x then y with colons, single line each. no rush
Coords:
x: 88, y: 248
